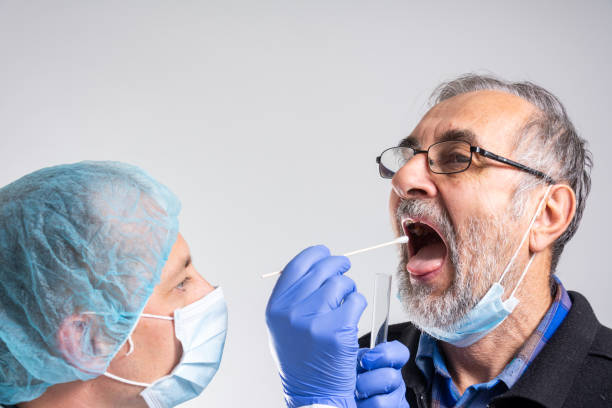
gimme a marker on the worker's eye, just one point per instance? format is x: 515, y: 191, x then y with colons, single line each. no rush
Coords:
x: 183, y: 283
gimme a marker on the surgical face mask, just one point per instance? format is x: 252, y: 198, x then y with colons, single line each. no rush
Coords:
x: 491, y: 310
x: 201, y: 328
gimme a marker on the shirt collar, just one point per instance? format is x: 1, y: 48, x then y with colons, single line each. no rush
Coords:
x: 430, y: 360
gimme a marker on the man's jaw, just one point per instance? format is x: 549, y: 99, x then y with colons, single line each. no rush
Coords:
x: 426, y: 251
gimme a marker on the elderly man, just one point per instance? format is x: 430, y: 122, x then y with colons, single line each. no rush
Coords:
x: 100, y: 304
x: 489, y: 187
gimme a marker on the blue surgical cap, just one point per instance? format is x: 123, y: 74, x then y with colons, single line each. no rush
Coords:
x: 81, y: 248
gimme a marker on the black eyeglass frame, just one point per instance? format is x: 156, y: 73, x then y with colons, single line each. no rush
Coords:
x: 473, y: 149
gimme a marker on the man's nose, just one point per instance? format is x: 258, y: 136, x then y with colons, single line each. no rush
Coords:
x: 414, y: 179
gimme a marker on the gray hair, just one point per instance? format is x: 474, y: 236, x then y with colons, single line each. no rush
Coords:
x: 548, y: 142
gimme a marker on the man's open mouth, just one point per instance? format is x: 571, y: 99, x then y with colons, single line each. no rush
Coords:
x: 426, y: 249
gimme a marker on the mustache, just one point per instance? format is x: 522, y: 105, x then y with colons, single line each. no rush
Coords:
x: 428, y: 210
x: 437, y: 215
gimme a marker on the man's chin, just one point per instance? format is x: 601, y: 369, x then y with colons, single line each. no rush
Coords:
x: 434, y: 302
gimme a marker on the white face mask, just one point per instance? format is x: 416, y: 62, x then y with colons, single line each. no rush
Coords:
x: 201, y: 328
x: 491, y: 311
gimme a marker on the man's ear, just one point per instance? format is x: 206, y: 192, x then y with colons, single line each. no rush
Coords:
x: 76, y: 341
x: 554, y: 218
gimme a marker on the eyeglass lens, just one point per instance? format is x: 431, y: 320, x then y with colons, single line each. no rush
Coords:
x: 443, y: 157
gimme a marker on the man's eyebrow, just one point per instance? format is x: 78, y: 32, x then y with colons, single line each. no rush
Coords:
x: 458, y: 134
x: 409, y: 141
x: 451, y: 134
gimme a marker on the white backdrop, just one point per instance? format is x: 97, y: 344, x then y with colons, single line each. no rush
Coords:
x: 265, y: 118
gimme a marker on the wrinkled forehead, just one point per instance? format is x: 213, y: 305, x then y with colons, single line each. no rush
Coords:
x: 491, y: 119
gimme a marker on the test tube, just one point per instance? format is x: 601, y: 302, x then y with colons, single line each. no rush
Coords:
x: 380, y: 314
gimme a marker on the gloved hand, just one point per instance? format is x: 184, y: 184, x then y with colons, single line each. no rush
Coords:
x: 379, y: 377
x: 312, y: 319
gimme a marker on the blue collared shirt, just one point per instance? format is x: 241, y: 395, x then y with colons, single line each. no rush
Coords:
x: 445, y: 394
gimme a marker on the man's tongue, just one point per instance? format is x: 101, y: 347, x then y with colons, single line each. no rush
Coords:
x: 427, y: 259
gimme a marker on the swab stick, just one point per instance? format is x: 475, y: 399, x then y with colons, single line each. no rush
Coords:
x: 401, y: 240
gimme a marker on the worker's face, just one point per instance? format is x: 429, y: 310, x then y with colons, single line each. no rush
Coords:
x: 156, y: 349
x: 467, y: 224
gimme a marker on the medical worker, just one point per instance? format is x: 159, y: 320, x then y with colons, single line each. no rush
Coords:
x: 489, y: 187
x: 100, y: 303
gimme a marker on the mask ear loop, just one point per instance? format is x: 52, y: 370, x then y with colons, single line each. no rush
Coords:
x: 522, y: 275
x: 131, y: 344
x: 535, y: 216
x: 131, y: 350
x: 125, y: 381
x: 151, y: 316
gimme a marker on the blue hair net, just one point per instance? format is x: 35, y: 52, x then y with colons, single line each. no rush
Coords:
x: 81, y: 248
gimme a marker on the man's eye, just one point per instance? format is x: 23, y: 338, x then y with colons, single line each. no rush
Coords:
x: 181, y: 286
x: 456, y: 158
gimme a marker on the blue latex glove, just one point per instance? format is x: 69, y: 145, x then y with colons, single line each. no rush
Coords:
x: 379, y: 379
x: 312, y: 319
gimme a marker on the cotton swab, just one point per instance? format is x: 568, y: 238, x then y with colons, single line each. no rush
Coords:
x: 401, y: 240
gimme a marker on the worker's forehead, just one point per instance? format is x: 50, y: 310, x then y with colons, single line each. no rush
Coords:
x: 485, y: 113
x: 177, y: 258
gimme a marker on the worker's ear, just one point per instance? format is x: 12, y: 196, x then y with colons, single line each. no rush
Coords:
x: 555, y: 216
x: 76, y: 340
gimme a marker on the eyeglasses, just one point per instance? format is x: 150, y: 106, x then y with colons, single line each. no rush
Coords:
x: 447, y: 157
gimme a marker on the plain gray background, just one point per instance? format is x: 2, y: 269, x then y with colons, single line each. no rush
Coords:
x: 265, y: 118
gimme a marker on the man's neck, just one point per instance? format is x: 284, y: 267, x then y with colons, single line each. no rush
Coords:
x: 485, y: 359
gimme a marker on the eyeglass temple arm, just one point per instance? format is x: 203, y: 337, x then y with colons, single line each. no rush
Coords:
x: 501, y: 159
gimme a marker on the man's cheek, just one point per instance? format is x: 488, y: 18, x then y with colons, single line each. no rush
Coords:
x: 448, y: 275
x: 393, y: 205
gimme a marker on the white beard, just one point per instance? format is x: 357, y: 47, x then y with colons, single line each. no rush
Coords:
x: 477, y: 254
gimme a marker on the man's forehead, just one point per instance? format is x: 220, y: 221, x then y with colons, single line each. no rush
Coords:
x: 476, y: 117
